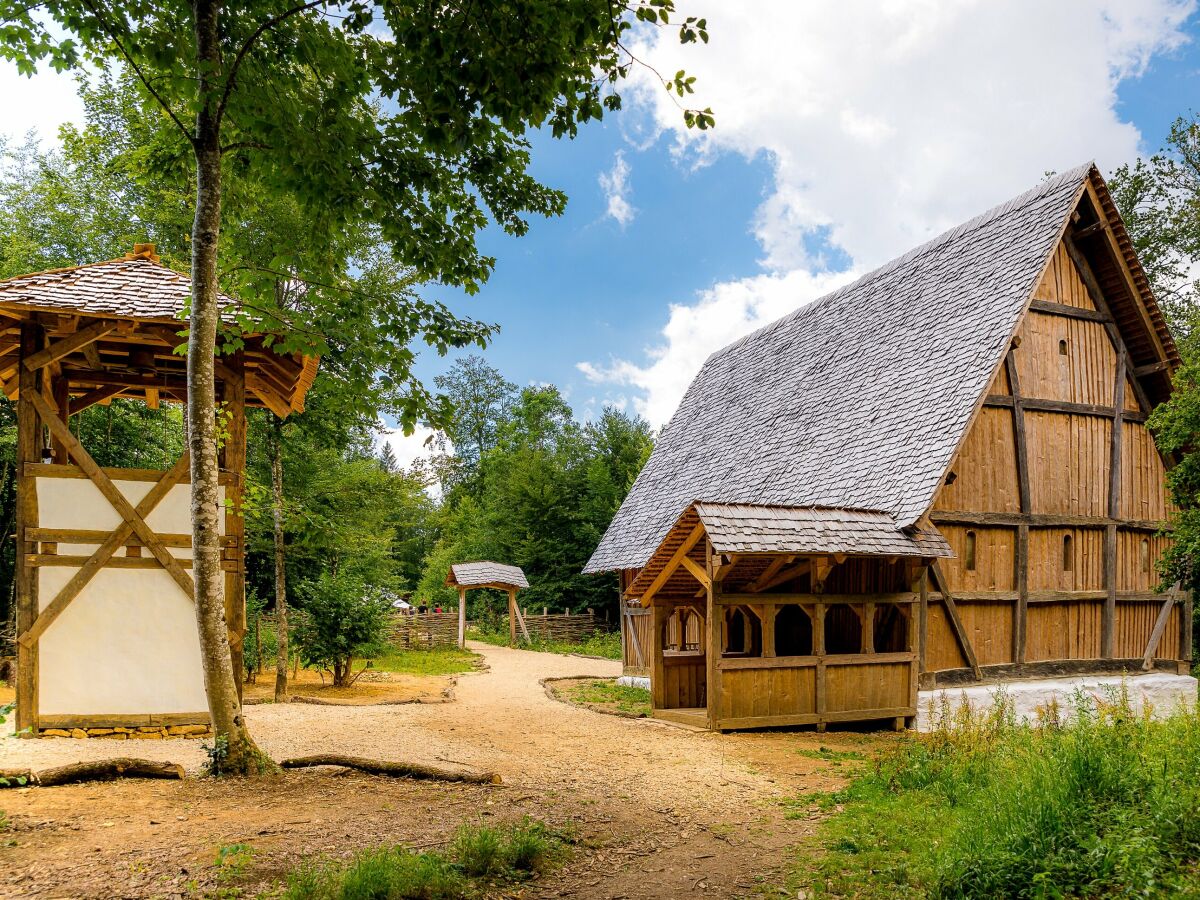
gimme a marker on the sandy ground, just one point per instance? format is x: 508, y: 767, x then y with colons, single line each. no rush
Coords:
x: 659, y: 810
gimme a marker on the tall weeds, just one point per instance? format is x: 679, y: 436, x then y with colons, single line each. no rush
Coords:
x: 1094, y: 801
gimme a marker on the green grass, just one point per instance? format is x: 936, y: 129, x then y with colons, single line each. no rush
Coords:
x: 1098, y: 802
x: 608, y: 693
x: 603, y: 644
x: 437, y: 661
x: 480, y: 857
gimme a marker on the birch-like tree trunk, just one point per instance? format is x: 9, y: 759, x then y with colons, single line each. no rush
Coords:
x: 281, y: 610
x: 240, y: 756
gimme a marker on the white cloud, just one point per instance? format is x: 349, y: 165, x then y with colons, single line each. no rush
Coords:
x: 41, y: 103
x: 885, y: 123
x: 410, y: 447
x: 615, y: 184
x: 728, y: 310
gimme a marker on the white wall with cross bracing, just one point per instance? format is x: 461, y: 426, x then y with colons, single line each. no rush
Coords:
x: 128, y: 643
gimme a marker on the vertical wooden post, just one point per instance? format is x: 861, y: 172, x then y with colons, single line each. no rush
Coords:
x: 712, y: 642
x: 1185, y: 630
x: 462, y: 617
x: 234, y: 461
x: 868, y: 628
x: 1108, y: 629
x: 61, y: 390
x: 819, y: 653
x: 923, y: 619
x: 29, y: 449
x: 657, y: 687
x: 512, y: 617
x: 1021, y: 559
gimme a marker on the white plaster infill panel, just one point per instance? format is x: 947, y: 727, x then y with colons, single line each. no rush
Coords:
x: 127, y: 644
x: 1159, y: 692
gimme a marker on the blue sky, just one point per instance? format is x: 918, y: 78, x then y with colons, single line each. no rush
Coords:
x: 585, y: 288
x: 846, y: 134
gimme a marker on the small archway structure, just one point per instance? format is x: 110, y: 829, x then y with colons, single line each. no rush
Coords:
x: 486, y: 574
x: 106, y: 626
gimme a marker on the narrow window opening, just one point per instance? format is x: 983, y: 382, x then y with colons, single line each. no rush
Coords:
x: 951, y: 477
x: 1068, y: 553
x: 969, y: 555
x: 1145, y: 555
x: 735, y: 632
x: 1062, y: 347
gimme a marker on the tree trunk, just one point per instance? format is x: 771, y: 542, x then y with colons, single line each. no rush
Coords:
x: 281, y: 621
x: 240, y: 755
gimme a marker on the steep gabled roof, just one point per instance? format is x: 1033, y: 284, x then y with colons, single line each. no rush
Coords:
x: 859, y: 399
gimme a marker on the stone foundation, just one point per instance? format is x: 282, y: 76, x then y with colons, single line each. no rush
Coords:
x: 135, y: 733
x: 1034, y: 700
x: 639, y: 681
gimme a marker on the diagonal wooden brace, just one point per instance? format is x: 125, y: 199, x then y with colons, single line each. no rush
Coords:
x: 103, y: 554
x: 69, y: 345
x: 150, y: 541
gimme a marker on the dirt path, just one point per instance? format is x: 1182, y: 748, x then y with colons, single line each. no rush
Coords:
x: 660, y: 811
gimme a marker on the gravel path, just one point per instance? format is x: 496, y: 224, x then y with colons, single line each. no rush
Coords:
x: 501, y: 720
x: 665, y: 811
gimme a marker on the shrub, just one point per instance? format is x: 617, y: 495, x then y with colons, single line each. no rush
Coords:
x: 345, y: 618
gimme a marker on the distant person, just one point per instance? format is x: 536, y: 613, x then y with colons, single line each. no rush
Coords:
x: 422, y: 609
x: 438, y: 610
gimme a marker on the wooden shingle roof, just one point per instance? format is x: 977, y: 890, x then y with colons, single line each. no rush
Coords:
x: 860, y: 399
x: 744, y: 528
x: 132, y: 287
x: 481, y: 574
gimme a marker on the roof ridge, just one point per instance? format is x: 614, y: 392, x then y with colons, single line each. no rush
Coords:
x: 1045, y: 187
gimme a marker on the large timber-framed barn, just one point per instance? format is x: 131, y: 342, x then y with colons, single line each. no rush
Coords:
x: 936, y: 476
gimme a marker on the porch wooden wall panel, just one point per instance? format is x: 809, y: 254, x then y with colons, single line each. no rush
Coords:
x: 1142, y: 476
x: 767, y: 692
x: 1069, y: 463
x: 683, y: 682
x: 876, y: 686
x: 986, y: 468
x: 1065, y: 629
x: 1047, y: 553
x: 995, y: 554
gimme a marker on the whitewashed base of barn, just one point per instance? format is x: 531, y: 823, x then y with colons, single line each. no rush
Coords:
x: 1031, y: 700
x: 642, y: 681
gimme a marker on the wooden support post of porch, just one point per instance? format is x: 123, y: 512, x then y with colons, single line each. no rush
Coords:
x: 462, y: 618
x: 29, y: 449
x: 819, y: 652
x: 658, y: 618
x: 714, y: 617
x: 512, y: 618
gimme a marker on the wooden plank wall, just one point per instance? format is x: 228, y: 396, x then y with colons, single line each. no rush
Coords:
x: 1066, y: 372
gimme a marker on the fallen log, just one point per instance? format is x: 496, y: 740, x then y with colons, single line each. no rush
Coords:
x: 391, y: 769
x: 15, y: 777
x: 107, y: 769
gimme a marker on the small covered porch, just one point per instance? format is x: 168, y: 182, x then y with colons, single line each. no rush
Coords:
x: 765, y: 616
